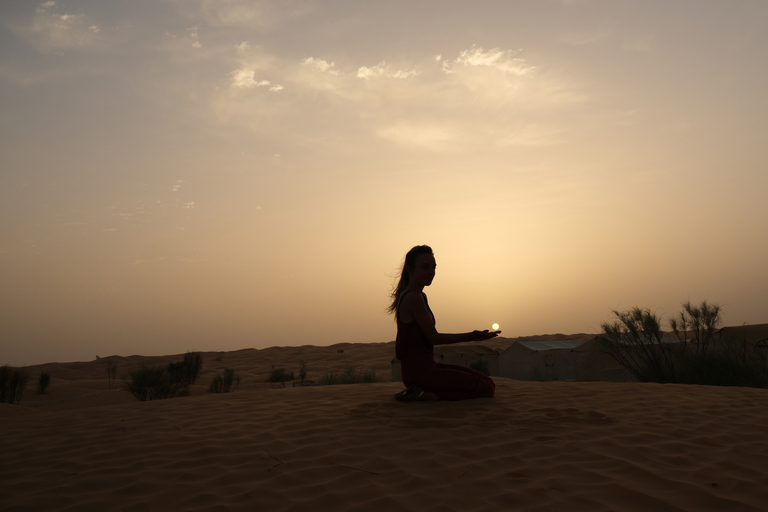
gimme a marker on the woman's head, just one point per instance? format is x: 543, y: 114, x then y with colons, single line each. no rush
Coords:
x: 420, y: 264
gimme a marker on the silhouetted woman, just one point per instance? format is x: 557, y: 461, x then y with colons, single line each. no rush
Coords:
x: 425, y: 378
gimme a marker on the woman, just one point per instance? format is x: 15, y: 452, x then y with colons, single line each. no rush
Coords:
x: 416, y: 335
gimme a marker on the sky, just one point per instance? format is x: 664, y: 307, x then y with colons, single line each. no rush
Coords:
x: 200, y: 175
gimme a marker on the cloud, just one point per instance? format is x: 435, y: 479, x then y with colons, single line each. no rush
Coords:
x: 495, y: 58
x: 321, y: 65
x: 194, y: 37
x: 487, y: 99
x: 242, y: 13
x: 382, y: 70
x: 243, y: 78
x: 50, y: 30
x: 45, y: 6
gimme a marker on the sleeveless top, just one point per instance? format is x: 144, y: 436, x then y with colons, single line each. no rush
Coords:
x: 411, y: 343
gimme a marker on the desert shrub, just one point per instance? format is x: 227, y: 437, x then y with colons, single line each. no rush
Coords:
x: 481, y: 365
x: 302, y: 380
x: 12, y: 383
x: 111, y: 373
x: 187, y: 370
x: 701, y: 356
x: 329, y: 379
x: 154, y: 383
x: 700, y: 322
x: 43, y: 382
x: 730, y: 364
x: 279, y: 376
x: 348, y: 376
x: 225, y: 382
x: 302, y: 372
x: 635, y: 340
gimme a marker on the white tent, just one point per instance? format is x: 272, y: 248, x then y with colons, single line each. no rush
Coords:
x: 539, y: 360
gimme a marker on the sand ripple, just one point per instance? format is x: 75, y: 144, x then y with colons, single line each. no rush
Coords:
x: 537, y: 447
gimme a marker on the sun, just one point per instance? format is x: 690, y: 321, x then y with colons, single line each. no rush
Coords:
x: 495, y: 327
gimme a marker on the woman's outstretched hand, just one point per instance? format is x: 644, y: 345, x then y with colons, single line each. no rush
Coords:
x: 484, y: 335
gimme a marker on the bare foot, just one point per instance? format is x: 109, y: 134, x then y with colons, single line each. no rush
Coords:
x: 416, y: 394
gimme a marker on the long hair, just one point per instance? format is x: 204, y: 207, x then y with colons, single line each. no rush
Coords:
x: 402, y: 284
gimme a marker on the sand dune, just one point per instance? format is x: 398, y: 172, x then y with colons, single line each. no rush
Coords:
x: 538, y: 446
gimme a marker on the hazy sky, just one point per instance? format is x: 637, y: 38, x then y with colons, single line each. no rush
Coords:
x: 222, y: 174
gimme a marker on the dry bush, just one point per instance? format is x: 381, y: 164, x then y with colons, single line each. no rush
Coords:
x: 154, y: 383
x: 225, y: 382
x: 701, y: 355
x: 13, y: 381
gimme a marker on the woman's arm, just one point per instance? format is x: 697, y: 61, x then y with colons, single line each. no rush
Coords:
x: 415, y: 305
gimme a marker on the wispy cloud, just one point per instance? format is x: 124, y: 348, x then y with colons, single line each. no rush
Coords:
x: 321, y: 65
x: 194, y: 37
x: 242, y: 13
x: 477, y: 98
x: 244, y: 78
x: 52, y: 30
x: 383, y: 70
x: 505, y: 61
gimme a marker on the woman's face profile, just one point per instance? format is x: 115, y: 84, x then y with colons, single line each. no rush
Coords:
x: 424, y: 270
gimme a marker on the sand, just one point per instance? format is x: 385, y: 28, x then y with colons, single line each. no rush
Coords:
x: 536, y: 446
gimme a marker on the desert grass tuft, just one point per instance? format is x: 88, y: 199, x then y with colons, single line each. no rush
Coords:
x: 348, y: 376
x: 13, y: 381
x: 302, y: 380
x: 111, y: 373
x: 225, y: 382
x: 43, y: 382
x: 279, y: 376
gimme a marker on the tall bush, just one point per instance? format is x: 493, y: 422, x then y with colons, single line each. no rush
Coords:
x: 696, y: 325
x: 635, y: 340
x: 702, y: 354
x: 187, y: 370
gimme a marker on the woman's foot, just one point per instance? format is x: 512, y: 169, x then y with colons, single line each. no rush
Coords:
x: 416, y: 394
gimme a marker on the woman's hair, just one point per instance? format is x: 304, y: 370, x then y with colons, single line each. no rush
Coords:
x: 402, y: 284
